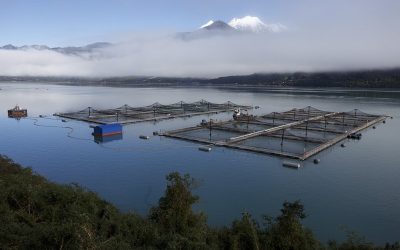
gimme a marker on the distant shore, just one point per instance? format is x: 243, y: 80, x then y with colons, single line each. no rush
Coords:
x: 371, y: 79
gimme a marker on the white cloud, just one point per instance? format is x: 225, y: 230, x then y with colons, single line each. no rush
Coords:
x: 254, y: 24
x: 41, y: 63
x: 344, y: 43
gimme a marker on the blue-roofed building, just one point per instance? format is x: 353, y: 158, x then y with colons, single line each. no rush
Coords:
x: 107, y: 129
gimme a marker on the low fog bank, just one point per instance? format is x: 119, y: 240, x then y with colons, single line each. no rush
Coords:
x: 215, y: 56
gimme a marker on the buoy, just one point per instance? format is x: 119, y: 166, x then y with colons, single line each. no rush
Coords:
x: 316, y: 161
x: 155, y: 133
x: 343, y: 145
x: 64, y: 120
x: 144, y: 137
x: 391, y: 117
x: 291, y: 164
x: 205, y: 148
x: 374, y: 127
x: 41, y: 116
x: 384, y: 121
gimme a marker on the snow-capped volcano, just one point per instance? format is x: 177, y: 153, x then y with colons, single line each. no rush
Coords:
x: 246, y: 24
x: 254, y: 24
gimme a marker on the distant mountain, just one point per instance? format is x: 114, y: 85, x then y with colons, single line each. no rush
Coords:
x: 64, y: 50
x: 84, y: 49
x: 210, y: 29
x: 9, y: 47
x: 236, y: 26
x: 246, y: 24
x: 217, y: 25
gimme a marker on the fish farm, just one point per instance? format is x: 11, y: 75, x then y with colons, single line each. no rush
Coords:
x: 297, y: 133
x: 155, y: 112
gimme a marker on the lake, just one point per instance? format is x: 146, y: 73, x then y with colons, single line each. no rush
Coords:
x: 356, y: 187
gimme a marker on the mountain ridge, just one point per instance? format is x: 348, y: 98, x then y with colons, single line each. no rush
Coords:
x: 211, y: 28
x: 76, y: 50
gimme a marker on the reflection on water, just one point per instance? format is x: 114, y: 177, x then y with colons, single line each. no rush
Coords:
x: 356, y: 186
x: 105, y: 139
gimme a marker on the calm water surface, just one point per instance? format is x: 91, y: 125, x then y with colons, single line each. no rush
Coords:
x: 356, y: 187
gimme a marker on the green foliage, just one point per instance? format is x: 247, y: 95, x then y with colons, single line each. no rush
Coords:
x: 356, y: 242
x: 244, y: 233
x: 179, y: 226
x: 287, y: 232
x: 38, y: 214
x: 351, y: 79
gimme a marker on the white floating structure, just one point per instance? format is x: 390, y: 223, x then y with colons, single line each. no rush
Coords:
x: 291, y: 164
x: 205, y: 148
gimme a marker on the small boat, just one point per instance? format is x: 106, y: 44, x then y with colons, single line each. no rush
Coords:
x: 236, y: 114
x: 17, y: 112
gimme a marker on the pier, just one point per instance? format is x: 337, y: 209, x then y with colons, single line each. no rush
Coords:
x: 297, y: 133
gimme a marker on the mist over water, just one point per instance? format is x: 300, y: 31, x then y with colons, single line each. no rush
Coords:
x: 211, y: 56
x: 333, y: 35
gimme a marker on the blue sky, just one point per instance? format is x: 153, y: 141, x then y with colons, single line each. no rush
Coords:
x: 73, y: 22
x: 57, y: 22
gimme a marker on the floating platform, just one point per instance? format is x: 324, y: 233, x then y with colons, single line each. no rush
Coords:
x: 17, y: 112
x: 290, y: 164
x: 107, y: 130
x: 155, y: 112
x: 205, y: 148
x: 297, y: 133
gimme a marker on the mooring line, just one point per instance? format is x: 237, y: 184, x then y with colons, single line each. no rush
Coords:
x: 149, y: 149
x: 69, y: 134
x: 165, y: 146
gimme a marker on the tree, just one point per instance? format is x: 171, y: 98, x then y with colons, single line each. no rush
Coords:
x: 287, y: 232
x: 244, y: 234
x: 179, y: 226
